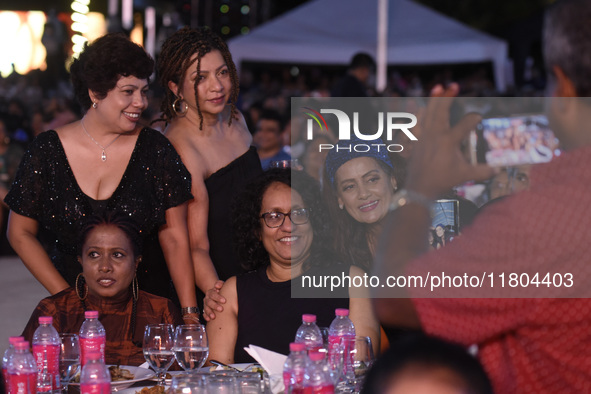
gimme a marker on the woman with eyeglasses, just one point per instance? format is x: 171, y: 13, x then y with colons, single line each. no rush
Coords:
x: 282, y: 235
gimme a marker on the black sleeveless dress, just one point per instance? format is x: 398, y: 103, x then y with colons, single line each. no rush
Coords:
x: 269, y: 317
x: 222, y: 187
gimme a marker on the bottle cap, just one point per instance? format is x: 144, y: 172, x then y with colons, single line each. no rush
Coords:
x: 91, y: 314
x: 21, y: 345
x: 297, y: 347
x: 93, y: 355
x: 45, y: 319
x: 13, y: 340
x: 316, y: 356
x: 309, y: 318
x: 341, y: 312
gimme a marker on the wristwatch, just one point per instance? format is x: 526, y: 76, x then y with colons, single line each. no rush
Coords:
x: 190, y: 309
x: 404, y: 197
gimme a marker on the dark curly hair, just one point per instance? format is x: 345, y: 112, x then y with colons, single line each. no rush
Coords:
x: 246, y: 214
x: 175, y: 59
x: 111, y: 218
x: 102, y: 63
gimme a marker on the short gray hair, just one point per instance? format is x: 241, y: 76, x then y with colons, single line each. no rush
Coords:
x: 567, y: 42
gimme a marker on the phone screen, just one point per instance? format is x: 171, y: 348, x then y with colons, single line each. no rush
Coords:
x: 515, y: 140
x: 445, y: 222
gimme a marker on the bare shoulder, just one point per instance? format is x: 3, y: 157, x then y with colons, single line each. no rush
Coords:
x: 230, y: 293
x: 188, y: 151
x: 356, y: 271
x: 238, y: 125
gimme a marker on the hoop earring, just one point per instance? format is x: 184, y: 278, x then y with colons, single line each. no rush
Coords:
x: 135, y: 288
x: 180, y: 107
x: 82, y: 283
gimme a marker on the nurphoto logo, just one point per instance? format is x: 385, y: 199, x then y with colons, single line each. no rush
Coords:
x: 394, y: 121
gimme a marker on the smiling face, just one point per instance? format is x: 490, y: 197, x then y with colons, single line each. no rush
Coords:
x: 288, y: 244
x: 365, y: 189
x: 123, y: 105
x: 214, y: 85
x: 108, y: 262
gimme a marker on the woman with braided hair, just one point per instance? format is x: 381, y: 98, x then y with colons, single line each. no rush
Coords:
x: 211, y: 136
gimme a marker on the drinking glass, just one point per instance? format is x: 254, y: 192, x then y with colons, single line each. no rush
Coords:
x: 69, y: 358
x: 157, y: 346
x: 221, y: 384
x: 190, y: 346
x: 362, y: 355
x: 188, y: 384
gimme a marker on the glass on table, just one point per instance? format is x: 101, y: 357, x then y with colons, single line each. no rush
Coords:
x: 250, y: 383
x: 157, y: 346
x: 361, y: 355
x: 69, y: 359
x: 190, y: 346
x: 217, y: 384
x: 188, y: 383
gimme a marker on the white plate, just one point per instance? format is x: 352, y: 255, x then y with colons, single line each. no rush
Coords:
x: 138, y: 373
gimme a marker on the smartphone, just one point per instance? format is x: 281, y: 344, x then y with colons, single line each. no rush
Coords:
x: 513, y: 141
x: 445, y: 222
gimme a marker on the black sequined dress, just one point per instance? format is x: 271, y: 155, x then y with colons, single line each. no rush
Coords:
x: 222, y: 187
x: 46, y: 190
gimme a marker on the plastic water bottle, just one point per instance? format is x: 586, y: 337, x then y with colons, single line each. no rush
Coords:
x: 93, y: 337
x: 6, y: 358
x: 95, y: 377
x: 316, y: 379
x: 22, y: 370
x: 341, y: 333
x: 295, y: 368
x: 309, y: 334
x: 46, y: 350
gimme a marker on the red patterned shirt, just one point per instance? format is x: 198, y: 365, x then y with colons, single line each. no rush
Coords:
x: 527, y: 345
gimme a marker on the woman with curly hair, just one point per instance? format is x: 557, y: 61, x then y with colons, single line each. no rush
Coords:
x: 105, y: 161
x: 283, y: 235
x: 199, y: 77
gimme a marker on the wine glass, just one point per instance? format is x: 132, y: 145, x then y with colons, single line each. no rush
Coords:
x: 158, y: 341
x: 190, y: 346
x: 362, y: 357
x: 69, y: 358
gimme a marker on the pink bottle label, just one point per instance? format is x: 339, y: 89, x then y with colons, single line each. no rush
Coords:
x: 5, y: 375
x: 22, y: 383
x: 91, y: 344
x: 95, y: 388
x: 325, y: 389
x: 53, y: 360
x: 293, y: 388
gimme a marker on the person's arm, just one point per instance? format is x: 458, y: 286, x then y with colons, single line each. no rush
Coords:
x: 222, y: 332
x: 361, y: 312
x: 205, y: 274
x: 175, y: 246
x: 22, y: 235
x: 437, y: 164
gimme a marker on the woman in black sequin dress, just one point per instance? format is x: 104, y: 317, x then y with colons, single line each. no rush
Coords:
x: 197, y: 71
x: 105, y: 161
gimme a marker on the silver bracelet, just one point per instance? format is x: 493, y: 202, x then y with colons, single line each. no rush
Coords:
x: 404, y: 197
x: 189, y: 309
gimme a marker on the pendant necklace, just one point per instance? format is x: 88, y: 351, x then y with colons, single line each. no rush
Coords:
x: 104, y: 148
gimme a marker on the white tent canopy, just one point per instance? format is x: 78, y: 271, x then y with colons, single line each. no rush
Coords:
x: 332, y: 31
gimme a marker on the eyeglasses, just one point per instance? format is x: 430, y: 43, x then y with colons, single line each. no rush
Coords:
x: 276, y: 219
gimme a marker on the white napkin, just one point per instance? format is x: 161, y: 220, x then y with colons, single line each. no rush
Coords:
x: 272, y: 362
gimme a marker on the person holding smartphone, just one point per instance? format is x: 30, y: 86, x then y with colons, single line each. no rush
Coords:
x: 526, y: 344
